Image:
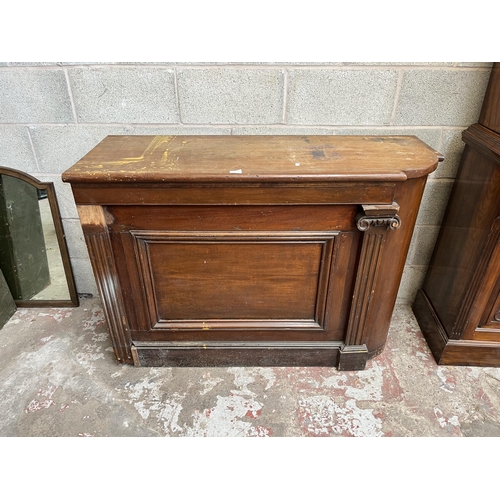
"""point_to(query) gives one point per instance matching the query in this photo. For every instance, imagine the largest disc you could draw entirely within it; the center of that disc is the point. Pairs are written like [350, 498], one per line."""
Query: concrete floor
[59, 378]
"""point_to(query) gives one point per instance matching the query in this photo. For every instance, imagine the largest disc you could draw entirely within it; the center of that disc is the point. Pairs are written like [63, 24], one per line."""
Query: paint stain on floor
[59, 378]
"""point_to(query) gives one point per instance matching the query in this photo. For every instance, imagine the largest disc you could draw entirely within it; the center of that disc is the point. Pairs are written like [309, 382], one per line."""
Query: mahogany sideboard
[250, 250]
[458, 307]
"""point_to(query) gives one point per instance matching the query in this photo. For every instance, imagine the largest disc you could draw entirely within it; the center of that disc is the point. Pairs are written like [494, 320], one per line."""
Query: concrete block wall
[52, 113]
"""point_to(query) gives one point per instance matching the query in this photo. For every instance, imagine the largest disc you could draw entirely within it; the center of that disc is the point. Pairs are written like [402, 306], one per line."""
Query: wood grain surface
[244, 158]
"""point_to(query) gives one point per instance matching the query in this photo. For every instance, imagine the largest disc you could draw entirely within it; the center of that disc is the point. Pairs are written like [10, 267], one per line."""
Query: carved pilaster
[374, 223]
[101, 255]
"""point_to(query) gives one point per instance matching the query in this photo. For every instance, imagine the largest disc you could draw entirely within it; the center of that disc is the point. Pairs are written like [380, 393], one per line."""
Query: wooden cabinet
[244, 250]
[458, 308]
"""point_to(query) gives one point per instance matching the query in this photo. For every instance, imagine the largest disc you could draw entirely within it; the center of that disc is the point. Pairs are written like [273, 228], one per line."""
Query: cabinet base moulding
[178, 354]
[448, 351]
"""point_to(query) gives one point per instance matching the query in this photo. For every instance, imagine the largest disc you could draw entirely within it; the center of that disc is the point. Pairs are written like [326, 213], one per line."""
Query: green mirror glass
[34, 257]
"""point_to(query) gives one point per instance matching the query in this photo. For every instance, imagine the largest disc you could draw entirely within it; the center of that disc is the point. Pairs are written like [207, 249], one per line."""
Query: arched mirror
[34, 256]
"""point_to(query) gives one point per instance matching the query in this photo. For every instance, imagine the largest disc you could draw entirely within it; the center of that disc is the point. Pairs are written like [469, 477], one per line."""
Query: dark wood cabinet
[458, 308]
[234, 250]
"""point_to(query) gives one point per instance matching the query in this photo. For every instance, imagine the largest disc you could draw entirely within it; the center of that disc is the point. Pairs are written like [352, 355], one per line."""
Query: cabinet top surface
[254, 159]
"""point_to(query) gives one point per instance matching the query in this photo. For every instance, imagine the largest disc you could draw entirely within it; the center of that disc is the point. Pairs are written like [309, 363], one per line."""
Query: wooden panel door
[286, 273]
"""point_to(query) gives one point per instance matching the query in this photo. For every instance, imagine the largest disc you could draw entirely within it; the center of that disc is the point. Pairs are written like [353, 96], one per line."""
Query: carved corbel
[379, 216]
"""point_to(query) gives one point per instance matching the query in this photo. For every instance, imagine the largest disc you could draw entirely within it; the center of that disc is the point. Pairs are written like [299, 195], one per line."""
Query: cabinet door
[484, 294]
[489, 326]
[236, 273]
[492, 319]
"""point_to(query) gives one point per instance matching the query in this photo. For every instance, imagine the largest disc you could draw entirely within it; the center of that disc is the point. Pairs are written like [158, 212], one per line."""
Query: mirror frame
[61, 239]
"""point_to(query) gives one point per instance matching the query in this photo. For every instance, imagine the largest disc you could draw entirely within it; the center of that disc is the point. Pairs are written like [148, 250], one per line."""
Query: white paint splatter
[58, 315]
[209, 383]
[95, 320]
[39, 404]
[148, 399]
[90, 354]
[359, 422]
[169, 412]
[492, 372]
[269, 375]
[443, 421]
[323, 417]
[231, 416]
[369, 384]
[246, 376]
[242, 378]
[422, 355]
[258, 431]
[17, 317]
[100, 337]
[225, 419]
[447, 384]
[119, 373]
[336, 381]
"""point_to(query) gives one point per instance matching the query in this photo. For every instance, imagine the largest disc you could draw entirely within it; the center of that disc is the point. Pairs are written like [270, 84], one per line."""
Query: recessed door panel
[219, 279]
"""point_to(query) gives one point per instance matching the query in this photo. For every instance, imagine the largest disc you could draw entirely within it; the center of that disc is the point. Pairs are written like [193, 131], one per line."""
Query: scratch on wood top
[259, 158]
